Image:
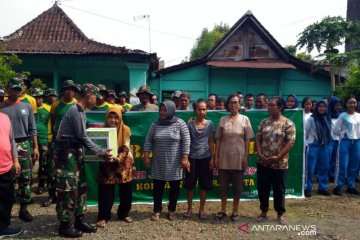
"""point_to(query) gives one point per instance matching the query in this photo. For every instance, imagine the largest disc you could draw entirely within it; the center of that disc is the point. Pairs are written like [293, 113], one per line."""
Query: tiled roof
[53, 32]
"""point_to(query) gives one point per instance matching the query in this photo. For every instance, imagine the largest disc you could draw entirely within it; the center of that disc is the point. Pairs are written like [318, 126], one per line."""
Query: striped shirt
[168, 143]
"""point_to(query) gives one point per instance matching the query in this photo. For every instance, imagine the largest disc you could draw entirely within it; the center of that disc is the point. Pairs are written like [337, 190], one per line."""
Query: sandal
[202, 216]
[171, 216]
[262, 218]
[221, 215]
[155, 216]
[234, 217]
[282, 220]
[101, 224]
[128, 219]
[187, 215]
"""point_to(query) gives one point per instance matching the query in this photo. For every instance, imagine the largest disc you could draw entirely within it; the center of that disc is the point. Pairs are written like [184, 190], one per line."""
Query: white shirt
[333, 122]
[310, 131]
[348, 126]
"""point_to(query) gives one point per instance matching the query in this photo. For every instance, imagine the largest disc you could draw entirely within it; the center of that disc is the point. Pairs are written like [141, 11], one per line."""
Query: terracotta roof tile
[53, 32]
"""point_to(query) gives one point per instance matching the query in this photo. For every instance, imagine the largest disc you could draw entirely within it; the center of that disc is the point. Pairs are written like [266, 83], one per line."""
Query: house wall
[193, 80]
[97, 70]
[201, 80]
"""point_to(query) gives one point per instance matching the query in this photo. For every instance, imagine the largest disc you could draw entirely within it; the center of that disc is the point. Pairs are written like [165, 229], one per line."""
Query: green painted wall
[112, 72]
[193, 80]
[201, 80]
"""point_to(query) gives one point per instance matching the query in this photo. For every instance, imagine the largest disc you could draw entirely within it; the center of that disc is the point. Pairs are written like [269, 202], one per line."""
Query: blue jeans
[319, 158]
[349, 158]
[334, 153]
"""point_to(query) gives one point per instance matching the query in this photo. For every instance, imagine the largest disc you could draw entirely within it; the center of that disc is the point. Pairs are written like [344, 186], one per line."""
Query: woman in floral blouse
[118, 171]
[274, 139]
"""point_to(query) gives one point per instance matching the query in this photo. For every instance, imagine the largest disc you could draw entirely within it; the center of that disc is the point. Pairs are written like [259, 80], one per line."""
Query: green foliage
[7, 62]
[38, 83]
[352, 83]
[328, 33]
[208, 40]
[304, 56]
[291, 49]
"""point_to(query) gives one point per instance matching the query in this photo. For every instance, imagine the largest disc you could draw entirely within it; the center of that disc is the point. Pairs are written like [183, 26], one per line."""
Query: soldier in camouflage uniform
[23, 122]
[58, 110]
[42, 119]
[70, 181]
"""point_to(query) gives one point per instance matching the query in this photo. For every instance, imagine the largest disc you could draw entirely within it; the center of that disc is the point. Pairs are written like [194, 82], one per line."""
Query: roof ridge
[43, 22]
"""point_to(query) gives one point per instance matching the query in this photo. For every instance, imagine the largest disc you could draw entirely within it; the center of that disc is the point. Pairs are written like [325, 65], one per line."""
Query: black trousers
[275, 178]
[106, 197]
[7, 197]
[158, 193]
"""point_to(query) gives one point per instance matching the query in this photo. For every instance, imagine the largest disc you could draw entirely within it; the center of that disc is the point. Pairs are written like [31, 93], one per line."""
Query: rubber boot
[67, 231]
[24, 213]
[40, 188]
[51, 199]
[82, 226]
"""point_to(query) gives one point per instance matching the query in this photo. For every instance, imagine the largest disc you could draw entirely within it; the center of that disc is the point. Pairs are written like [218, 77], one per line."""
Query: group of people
[53, 132]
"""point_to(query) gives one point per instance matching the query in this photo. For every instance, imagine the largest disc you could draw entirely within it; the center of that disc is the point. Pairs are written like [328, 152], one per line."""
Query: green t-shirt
[42, 119]
[58, 109]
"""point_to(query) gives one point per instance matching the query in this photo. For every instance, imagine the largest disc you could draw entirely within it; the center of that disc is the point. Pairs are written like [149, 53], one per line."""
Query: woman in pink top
[232, 147]
[9, 164]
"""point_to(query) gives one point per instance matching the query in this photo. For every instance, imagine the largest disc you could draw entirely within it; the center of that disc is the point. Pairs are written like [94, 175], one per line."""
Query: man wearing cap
[101, 104]
[112, 97]
[42, 120]
[50, 96]
[57, 112]
[24, 128]
[26, 98]
[70, 183]
[144, 94]
[122, 101]
[175, 97]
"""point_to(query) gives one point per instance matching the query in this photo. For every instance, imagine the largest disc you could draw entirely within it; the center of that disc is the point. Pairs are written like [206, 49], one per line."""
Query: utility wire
[127, 23]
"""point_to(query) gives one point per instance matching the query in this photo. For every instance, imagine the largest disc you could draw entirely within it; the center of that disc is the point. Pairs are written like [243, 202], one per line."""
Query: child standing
[200, 157]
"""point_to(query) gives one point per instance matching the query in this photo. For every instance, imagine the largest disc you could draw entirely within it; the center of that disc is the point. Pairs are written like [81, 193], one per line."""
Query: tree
[208, 40]
[351, 85]
[293, 51]
[326, 35]
[329, 33]
[7, 62]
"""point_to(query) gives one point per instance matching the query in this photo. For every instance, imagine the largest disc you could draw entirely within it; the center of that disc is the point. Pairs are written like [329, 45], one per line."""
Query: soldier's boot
[40, 189]
[67, 231]
[51, 199]
[83, 226]
[24, 213]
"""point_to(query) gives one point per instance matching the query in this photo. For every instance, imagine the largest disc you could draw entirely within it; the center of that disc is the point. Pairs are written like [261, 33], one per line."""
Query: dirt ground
[328, 217]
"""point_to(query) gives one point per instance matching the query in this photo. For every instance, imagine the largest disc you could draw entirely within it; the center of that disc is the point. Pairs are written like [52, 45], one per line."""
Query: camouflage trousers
[50, 167]
[70, 182]
[43, 168]
[25, 178]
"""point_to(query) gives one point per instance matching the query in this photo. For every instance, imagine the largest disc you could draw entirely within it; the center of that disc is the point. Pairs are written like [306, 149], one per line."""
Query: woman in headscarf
[169, 139]
[291, 102]
[118, 171]
[318, 138]
[335, 108]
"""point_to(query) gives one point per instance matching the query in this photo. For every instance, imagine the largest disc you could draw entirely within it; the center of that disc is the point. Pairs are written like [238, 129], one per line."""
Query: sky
[174, 25]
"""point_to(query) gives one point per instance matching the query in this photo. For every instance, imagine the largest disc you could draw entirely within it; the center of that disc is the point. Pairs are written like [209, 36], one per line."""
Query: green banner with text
[139, 123]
